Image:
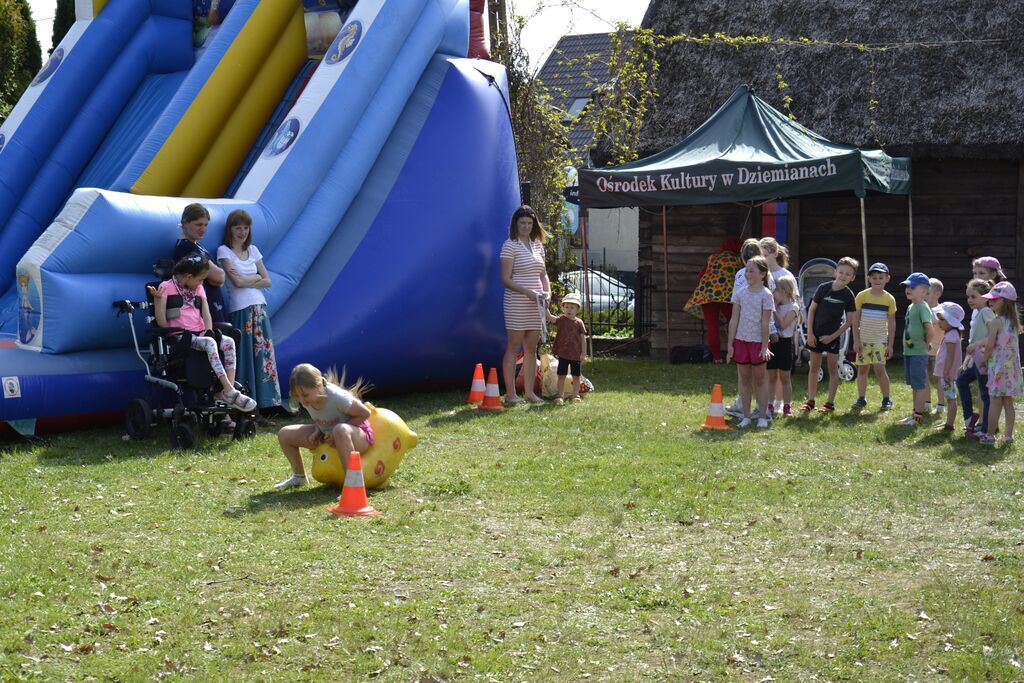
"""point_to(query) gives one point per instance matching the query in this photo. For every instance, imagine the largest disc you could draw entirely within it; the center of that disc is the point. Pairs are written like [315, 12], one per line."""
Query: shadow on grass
[962, 451]
[325, 495]
[110, 445]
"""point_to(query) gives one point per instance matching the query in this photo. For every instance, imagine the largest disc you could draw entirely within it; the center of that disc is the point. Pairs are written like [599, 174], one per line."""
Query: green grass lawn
[613, 540]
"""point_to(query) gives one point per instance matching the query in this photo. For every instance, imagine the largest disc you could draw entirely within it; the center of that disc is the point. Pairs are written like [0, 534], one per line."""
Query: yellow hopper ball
[391, 439]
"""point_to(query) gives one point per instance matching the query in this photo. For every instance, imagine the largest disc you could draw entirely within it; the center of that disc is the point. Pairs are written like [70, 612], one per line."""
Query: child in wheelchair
[192, 323]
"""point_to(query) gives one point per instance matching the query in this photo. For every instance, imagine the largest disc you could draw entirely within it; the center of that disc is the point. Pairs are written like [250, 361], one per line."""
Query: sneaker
[807, 407]
[771, 411]
[787, 410]
[974, 435]
[744, 423]
[972, 422]
[828, 407]
[987, 440]
[911, 420]
[886, 404]
[860, 403]
[762, 423]
[944, 428]
[291, 482]
[735, 410]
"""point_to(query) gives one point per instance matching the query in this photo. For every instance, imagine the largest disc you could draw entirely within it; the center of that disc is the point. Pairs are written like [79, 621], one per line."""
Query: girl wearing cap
[1002, 356]
[948, 357]
[987, 268]
[569, 346]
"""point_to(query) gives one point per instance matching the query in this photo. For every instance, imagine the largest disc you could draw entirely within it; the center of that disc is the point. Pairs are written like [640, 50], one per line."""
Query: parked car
[606, 293]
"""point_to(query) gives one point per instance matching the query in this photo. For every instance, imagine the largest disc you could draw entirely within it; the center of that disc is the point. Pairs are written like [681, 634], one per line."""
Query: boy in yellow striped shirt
[874, 331]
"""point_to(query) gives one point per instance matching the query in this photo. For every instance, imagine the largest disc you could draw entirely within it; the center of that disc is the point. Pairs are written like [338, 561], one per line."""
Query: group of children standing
[766, 314]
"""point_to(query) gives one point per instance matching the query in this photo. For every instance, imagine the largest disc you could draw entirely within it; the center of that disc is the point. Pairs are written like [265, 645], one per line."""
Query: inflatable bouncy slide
[375, 157]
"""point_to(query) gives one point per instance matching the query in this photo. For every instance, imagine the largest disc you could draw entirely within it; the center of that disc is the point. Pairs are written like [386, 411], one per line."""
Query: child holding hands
[1002, 354]
[748, 338]
[974, 368]
[949, 356]
[569, 346]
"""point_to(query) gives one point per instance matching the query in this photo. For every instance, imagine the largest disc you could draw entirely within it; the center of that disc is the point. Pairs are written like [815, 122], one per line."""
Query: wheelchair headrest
[162, 268]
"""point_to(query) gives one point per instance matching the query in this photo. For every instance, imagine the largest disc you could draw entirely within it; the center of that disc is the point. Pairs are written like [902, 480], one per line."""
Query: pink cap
[1002, 290]
[990, 262]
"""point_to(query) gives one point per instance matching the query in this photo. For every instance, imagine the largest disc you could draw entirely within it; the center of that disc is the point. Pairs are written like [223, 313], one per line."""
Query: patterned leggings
[208, 345]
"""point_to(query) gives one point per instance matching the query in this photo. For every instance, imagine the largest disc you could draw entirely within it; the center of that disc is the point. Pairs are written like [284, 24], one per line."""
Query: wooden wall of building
[961, 209]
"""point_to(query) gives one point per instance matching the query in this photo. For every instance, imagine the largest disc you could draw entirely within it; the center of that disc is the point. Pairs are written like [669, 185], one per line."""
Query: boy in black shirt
[832, 301]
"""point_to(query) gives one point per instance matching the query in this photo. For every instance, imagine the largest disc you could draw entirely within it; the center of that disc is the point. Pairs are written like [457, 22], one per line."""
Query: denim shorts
[915, 371]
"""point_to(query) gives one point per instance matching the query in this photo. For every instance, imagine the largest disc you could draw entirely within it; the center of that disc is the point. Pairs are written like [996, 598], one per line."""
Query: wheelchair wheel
[245, 428]
[138, 419]
[847, 371]
[182, 436]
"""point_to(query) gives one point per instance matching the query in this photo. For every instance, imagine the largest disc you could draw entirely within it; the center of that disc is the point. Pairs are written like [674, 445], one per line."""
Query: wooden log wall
[962, 209]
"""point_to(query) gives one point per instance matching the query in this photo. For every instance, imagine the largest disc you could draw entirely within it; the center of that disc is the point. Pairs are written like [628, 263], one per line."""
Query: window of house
[576, 107]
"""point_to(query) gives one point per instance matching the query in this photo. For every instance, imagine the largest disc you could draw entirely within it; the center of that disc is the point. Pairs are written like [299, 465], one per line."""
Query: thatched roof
[953, 99]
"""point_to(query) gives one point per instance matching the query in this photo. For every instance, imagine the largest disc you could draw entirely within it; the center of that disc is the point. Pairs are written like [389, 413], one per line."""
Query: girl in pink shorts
[748, 337]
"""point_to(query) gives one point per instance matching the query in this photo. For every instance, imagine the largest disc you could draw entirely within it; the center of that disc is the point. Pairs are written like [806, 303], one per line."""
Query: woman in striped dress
[525, 278]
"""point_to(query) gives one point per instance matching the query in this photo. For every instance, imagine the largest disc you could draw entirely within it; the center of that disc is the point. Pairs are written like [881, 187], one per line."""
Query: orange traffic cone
[492, 399]
[476, 389]
[716, 411]
[352, 502]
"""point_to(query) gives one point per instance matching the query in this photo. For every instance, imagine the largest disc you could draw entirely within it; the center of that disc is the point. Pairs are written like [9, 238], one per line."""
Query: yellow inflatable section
[210, 142]
[392, 438]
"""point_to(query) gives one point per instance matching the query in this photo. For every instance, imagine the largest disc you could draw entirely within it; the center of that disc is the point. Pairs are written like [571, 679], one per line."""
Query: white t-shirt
[752, 307]
[241, 297]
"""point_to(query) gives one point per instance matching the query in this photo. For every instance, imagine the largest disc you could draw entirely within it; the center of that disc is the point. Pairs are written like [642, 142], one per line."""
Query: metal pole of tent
[910, 221]
[587, 303]
[864, 241]
[664, 253]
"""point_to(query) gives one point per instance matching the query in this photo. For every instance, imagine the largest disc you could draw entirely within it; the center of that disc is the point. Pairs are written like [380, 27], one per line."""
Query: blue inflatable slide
[376, 160]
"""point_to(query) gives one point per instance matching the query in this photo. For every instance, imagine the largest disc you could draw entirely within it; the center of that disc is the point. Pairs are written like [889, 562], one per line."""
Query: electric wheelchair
[181, 384]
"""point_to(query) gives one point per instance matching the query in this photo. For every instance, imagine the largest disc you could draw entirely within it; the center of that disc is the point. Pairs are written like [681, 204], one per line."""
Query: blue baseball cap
[915, 279]
[878, 268]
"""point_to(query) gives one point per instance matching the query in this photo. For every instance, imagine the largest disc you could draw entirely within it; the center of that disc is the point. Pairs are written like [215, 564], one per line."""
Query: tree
[12, 30]
[62, 21]
[541, 143]
[31, 60]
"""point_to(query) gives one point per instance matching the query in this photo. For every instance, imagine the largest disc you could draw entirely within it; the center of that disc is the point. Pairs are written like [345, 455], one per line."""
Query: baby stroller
[181, 382]
[812, 275]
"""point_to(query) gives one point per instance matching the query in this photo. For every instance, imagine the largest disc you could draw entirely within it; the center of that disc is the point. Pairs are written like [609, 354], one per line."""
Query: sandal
[517, 401]
[243, 402]
[534, 399]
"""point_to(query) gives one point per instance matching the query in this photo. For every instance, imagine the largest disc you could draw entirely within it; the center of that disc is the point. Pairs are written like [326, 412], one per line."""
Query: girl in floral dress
[247, 277]
[1002, 356]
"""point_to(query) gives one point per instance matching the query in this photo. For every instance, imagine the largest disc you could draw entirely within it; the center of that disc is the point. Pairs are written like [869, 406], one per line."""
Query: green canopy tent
[746, 152]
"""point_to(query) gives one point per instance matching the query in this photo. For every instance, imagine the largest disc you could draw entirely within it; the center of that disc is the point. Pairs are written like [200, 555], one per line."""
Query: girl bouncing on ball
[339, 417]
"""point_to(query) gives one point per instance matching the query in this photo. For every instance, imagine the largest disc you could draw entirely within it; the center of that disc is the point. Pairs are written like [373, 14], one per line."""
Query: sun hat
[572, 298]
[990, 262]
[1001, 290]
[950, 312]
[878, 268]
[915, 280]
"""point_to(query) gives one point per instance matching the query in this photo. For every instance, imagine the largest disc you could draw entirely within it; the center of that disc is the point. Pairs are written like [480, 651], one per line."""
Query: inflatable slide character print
[346, 42]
